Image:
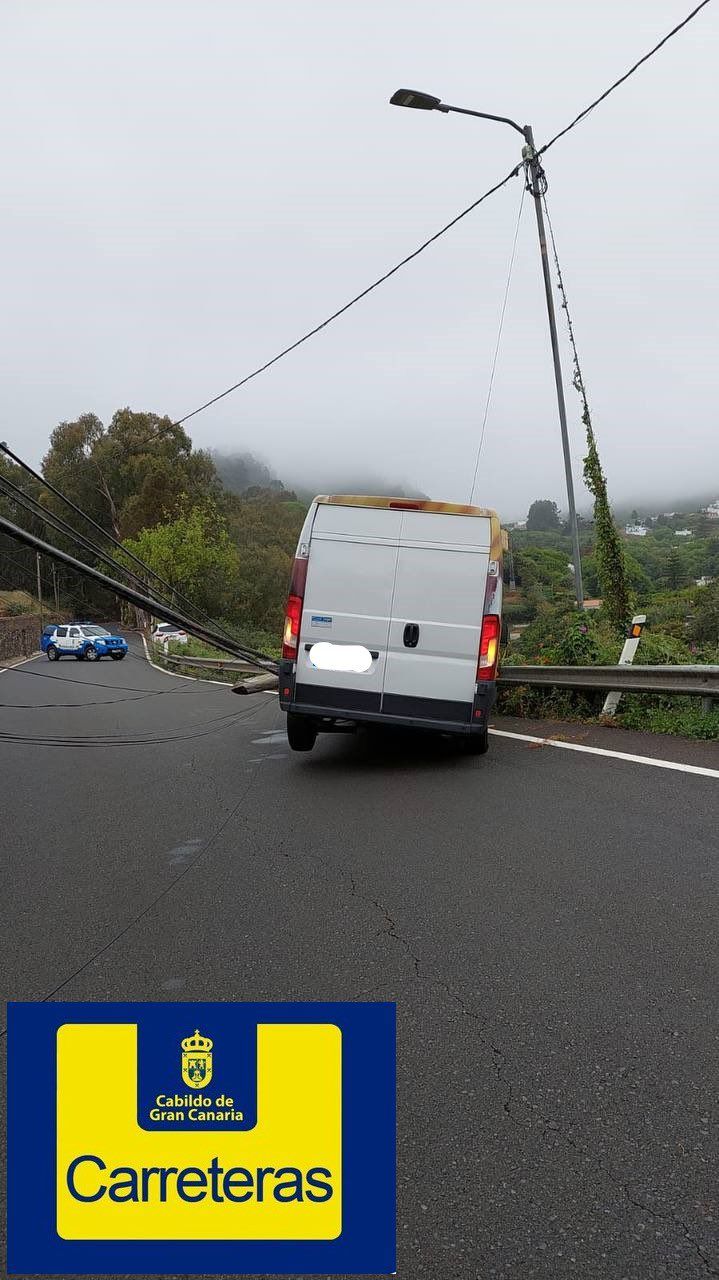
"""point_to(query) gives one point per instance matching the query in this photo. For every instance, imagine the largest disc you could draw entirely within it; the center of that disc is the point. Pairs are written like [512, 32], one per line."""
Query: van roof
[406, 504]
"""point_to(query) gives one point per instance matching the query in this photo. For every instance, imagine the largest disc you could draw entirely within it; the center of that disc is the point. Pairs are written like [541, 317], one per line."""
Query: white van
[393, 617]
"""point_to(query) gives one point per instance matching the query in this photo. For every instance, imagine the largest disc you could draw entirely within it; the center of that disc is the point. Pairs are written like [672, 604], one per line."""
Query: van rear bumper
[329, 704]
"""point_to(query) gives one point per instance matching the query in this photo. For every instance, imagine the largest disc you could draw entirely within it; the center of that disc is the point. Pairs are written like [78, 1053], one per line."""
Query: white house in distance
[635, 530]
[682, 533]
[712, 511]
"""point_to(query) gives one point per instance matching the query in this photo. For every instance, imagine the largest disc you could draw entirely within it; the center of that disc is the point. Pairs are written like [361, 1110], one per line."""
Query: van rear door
[436, 621]
[348, 601]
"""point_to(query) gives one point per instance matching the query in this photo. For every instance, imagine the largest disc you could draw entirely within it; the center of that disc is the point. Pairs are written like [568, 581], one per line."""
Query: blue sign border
[367, 1243]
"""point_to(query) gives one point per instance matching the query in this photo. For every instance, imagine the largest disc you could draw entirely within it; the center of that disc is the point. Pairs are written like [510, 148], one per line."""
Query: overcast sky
[189, 186]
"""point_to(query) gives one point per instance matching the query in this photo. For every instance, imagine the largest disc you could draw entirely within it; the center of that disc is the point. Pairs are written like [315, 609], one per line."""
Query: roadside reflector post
[626, 658]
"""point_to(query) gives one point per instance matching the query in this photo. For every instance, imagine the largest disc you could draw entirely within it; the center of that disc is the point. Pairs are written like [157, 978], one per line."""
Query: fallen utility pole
[26, 501]
[149, 573]
[155, 607]
[256, 684]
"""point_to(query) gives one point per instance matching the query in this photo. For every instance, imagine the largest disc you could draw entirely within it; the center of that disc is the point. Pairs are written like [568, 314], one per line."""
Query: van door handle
[411, 635]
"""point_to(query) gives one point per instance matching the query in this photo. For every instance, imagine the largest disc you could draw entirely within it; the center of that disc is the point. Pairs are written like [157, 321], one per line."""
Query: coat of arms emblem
[196, 1060]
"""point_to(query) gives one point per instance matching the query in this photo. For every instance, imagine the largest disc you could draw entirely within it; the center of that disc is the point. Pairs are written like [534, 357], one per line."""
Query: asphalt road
[546, 921]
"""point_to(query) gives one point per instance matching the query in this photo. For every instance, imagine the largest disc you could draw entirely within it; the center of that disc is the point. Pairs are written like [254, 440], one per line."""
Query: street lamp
[537, 186]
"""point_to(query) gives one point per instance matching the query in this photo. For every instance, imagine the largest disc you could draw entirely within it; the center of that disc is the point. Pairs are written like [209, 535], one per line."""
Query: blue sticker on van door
[321, 620]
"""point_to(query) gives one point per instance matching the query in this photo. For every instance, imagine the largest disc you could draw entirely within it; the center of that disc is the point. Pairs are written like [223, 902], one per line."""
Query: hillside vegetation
[664, 572]
[222, 530]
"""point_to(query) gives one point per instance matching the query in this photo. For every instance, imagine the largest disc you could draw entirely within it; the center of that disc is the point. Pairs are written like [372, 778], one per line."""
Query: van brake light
[291, 632]
[293, 612]
[488, 647]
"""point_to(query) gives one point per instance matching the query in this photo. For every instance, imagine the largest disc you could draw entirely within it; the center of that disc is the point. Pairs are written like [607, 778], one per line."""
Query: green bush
[547, 704]
[517, 611]
[565, 637]
[562, 636]
[704, 625]
[682, 716]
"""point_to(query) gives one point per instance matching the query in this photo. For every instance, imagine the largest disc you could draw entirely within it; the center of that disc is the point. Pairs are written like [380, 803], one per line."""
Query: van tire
[52, 653]
[301, 732]
[477, 744]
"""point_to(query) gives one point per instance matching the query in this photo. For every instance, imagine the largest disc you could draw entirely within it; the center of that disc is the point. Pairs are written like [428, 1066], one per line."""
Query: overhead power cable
[24, 500]
[443, 230]
[357, 298]
[582, 114]
[199, 613]
[157, 607]
[47, 484]
[497, 345]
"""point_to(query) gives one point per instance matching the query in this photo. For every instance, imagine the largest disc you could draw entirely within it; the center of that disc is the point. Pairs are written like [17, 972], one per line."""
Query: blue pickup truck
[81, 640]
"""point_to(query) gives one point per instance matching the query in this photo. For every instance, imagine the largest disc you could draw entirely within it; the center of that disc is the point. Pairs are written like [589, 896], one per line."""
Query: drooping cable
[25, 500]
[357, 298]
[141, 601]
[174, 592]
[443, 230]
[497, 346]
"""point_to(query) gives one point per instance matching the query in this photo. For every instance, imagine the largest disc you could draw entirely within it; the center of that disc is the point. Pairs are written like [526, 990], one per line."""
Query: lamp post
[537, 186]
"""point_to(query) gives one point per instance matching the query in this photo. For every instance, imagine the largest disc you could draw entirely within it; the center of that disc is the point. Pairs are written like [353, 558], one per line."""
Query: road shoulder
[657, 746]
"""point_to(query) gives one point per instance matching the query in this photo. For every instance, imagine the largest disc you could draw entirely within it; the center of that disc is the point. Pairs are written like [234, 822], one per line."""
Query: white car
[165, 632]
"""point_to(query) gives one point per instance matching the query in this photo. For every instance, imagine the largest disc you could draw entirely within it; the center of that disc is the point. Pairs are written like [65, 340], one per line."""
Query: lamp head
[413, 98]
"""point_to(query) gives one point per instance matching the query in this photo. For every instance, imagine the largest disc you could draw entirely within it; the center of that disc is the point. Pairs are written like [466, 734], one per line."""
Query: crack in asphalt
[665, 1217]
[499, 1064]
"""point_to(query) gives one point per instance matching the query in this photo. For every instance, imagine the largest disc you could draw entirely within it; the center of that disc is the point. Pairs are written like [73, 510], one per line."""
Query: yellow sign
[281, 1180]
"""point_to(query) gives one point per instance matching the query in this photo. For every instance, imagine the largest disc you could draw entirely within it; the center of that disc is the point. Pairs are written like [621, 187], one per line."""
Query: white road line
[175, 674]
[614, 755]
[20, 663]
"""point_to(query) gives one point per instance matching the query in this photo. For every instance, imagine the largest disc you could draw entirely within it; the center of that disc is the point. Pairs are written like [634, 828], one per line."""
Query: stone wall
[19, 637]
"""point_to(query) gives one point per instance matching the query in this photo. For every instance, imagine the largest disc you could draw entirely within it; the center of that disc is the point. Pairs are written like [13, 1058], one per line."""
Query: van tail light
[488, 647]
[293, 611]
[291, 634]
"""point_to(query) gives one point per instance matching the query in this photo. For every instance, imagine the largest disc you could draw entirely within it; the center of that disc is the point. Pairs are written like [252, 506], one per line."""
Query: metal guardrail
[692, 681]
[695, 681]
[214, 664]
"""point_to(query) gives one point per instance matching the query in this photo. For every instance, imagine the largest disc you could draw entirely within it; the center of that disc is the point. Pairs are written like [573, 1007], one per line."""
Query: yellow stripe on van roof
[411, 504]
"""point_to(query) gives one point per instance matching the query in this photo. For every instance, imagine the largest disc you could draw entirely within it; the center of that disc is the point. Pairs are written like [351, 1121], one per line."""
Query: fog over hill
[242, 471]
